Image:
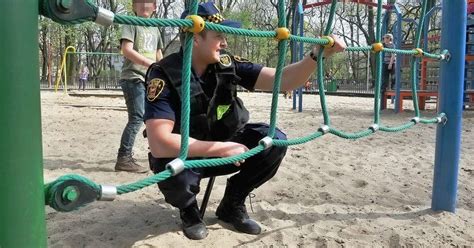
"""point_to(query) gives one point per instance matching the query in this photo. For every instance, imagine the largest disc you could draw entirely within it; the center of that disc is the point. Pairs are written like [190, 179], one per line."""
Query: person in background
[83, 76]
[388, 66]
[141, 47]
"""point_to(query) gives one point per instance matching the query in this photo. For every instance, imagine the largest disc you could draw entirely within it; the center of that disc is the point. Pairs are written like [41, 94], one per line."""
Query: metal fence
[105, 81]
[342, 87]
[349, 87]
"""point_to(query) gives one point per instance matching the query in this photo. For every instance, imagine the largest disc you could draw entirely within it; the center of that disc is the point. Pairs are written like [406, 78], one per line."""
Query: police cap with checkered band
[210, 13]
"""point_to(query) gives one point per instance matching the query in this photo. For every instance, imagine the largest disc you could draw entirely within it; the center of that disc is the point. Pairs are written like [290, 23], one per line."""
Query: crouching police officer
[218, 123]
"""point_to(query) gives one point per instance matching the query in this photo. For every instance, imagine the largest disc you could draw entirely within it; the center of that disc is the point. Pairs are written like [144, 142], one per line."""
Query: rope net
[377, 48]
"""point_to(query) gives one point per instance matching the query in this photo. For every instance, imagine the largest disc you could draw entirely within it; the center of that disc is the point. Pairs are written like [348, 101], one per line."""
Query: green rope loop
[51, 188]
[46, 9]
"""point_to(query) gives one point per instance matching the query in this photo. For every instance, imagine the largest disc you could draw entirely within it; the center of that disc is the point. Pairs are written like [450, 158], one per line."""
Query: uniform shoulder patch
[241, 60]
[154, 89]
[225, 60]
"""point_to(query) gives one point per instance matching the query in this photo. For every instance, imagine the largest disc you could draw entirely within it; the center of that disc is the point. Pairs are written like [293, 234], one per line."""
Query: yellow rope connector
[198, 24]
[419, 52]
[377, 47]
[330, 41]
[282, 33]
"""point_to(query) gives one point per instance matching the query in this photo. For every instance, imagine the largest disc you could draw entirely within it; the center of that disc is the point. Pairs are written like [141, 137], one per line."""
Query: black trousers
[388, 75]
[180, 190]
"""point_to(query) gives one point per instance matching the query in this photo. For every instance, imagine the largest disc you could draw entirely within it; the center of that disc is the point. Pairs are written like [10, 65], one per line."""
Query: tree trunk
[371, 39]
[70, 61]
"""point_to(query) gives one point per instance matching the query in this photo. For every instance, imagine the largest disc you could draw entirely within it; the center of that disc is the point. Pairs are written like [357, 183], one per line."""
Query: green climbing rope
[71, 194]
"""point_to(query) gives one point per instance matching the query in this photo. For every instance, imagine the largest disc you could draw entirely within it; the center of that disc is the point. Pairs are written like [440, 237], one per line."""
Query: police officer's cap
[210, 13]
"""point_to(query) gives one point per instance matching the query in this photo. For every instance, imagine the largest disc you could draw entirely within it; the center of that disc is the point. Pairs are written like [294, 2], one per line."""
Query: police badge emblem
[154, 89]
[225, 60]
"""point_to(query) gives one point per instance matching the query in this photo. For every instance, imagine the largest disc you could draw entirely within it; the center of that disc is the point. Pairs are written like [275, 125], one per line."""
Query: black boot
[193, 226]
[232, 210]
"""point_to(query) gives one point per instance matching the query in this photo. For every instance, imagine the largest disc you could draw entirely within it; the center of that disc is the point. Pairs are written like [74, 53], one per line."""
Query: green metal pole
[22, 215]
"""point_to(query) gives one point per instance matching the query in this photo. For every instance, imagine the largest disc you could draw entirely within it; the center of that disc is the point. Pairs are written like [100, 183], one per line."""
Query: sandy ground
[330, 192]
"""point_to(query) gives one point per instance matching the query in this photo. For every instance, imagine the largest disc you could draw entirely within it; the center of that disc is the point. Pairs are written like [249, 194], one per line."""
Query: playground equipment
[429, 71]
[105, 73]
[348, 86]
[297, 52]
[21, 177]
[469, 73]
[400, 43]
[62, 74]
[22, 216]
[428, 87]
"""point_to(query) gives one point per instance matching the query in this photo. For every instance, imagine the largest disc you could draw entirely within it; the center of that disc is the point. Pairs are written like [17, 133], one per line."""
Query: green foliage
[351, 23]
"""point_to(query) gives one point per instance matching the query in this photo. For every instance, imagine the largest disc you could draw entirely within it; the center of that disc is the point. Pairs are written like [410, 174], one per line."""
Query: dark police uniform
[217, 114]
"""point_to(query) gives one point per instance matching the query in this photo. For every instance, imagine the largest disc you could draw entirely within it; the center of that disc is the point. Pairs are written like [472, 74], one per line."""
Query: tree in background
[354, 23]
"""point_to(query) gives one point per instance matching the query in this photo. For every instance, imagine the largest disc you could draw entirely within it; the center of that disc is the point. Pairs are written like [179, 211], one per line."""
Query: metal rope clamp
[267, 142]
[416, 120]
[176, 166]
[445, 56]
[105, 17]
[107, 193]
[374, 127]
[324, 129]
[442, 119]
